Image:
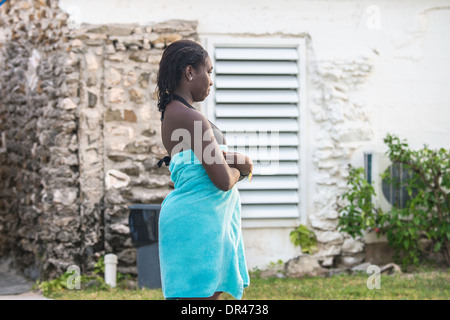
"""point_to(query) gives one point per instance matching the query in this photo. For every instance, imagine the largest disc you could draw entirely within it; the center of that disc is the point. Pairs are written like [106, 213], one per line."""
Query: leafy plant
[96, 279]
[426, 213]
[99, 266]
[304, 238]
[53, 285]
[360, 213]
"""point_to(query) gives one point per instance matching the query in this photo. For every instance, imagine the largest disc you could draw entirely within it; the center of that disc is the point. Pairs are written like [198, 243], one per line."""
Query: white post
[110, 269]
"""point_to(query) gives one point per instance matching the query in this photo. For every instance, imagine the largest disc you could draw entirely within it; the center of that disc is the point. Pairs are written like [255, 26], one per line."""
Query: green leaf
[437, 246]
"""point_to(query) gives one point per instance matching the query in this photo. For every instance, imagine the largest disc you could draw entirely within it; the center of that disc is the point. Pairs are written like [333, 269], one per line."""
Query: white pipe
[110, 269]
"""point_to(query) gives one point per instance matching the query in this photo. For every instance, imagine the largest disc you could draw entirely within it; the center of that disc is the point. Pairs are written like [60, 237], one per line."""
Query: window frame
[208, 108]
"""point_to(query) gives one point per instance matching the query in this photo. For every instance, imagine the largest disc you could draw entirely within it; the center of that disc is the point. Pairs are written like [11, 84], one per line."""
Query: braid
[174, 61]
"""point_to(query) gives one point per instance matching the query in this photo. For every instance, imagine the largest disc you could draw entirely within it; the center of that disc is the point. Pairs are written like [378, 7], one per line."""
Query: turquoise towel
[200, 240]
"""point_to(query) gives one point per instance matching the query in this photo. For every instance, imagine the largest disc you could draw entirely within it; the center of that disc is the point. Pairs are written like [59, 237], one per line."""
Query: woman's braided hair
[174, 61]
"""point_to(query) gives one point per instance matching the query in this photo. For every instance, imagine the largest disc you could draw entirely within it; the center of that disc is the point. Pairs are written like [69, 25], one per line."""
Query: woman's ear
[189, 72]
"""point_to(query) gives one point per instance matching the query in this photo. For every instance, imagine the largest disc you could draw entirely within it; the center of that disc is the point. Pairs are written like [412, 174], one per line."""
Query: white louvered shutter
[257, 107]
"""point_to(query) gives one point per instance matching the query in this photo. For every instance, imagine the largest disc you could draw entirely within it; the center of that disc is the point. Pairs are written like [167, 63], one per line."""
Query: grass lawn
[415, 286]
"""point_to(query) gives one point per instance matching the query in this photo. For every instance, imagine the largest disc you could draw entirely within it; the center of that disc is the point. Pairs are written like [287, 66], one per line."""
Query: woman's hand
[239, 161]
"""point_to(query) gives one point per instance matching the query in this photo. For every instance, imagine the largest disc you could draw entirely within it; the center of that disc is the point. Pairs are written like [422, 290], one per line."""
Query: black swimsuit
[217, 133]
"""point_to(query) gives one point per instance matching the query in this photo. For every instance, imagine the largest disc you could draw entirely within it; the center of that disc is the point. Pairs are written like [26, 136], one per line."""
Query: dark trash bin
[143, 222]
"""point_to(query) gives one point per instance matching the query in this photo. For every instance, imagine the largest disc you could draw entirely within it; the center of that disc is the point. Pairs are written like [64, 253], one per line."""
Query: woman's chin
[203, 98]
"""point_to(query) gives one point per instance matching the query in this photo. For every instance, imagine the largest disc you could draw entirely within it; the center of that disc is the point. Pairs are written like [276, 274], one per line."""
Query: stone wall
[340, 124]
[80, 135]
[119, 128]
[39, 159]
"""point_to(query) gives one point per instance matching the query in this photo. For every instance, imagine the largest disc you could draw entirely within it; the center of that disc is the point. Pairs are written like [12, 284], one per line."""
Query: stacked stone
[341, 127]
[80, 135]
[119, 129]
[39, 162]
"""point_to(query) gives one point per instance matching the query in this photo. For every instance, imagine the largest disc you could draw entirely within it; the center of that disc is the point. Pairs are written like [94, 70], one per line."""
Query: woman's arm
[239, 161]
[206, 148]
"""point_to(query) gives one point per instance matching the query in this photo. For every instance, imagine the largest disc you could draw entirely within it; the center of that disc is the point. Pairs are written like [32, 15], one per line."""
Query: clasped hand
[239, 161]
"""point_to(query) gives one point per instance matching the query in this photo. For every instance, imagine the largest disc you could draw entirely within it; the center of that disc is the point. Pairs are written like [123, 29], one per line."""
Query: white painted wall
[406, 93]
[411, 75]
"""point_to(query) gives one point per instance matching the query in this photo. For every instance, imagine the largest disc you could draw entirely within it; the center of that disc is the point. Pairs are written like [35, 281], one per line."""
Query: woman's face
[201, 80]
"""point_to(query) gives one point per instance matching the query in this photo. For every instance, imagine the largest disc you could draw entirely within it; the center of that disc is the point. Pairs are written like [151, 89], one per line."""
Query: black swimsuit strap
[177, 97]
[165, 160]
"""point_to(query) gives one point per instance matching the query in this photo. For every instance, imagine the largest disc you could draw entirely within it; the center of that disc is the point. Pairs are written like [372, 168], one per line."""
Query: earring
[190, 79]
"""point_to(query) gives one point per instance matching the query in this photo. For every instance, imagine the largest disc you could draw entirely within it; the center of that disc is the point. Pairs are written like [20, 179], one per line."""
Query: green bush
[304, 238]
[426, 213]
[360, 213]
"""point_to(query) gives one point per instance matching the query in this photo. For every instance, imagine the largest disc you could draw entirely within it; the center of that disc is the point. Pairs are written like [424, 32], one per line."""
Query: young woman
[200, 240]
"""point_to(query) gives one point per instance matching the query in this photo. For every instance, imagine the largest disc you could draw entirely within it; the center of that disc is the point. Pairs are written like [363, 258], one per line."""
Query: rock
[76, 43]
[323, 224]
[130, 78]
[329, 236]
[326, 261]
[129, 116]
[166, 39]
[67, 104]
[329, 249]
[391, 268]
[304, 265]
[109, 49]
[351, 260]
[121, 131]
[116, 57]
[139, 146]
[65, 196]
[361, 267]
[91, 62]
[113, 115]
[144, 80]
[137, 96]
[338, 271]
[116, 179]
[139, 56]
[113, 77]
[120, 228]
[183, 27]
[92, 100]
[121, 29]
[116, 96]
[351, 245]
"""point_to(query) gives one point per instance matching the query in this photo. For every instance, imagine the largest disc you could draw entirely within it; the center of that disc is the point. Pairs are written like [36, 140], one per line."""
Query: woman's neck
[187, 96]
[182, 100]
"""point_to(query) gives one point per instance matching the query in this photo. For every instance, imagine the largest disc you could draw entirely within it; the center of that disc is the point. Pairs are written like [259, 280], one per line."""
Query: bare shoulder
[182, 117]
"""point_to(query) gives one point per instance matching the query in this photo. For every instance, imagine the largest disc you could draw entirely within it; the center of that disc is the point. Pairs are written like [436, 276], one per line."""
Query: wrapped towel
[200, 239]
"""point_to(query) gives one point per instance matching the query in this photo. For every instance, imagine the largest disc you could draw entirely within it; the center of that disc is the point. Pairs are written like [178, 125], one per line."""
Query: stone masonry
[341, 125]
[80, 135]
[39, 158]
